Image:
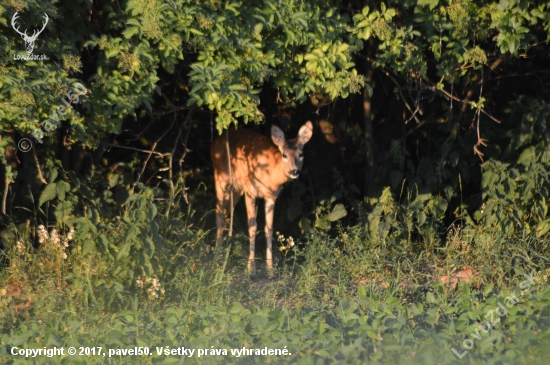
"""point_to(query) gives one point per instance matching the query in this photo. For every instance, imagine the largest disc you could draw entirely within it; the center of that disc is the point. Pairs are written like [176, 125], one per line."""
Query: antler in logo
[29, 41]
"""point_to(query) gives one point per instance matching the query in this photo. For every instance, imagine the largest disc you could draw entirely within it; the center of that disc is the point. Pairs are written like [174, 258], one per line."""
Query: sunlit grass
[340, 297]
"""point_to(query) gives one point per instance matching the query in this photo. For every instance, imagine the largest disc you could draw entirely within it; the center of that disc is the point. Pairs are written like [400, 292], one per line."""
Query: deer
[29, 40]
[259, 168]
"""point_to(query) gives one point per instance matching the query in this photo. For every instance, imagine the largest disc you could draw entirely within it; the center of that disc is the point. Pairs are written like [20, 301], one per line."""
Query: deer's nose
[294, 173]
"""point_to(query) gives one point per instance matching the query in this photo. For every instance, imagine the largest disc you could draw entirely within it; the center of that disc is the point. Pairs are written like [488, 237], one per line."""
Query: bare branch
[448, 95]
[38, 167]
[403, 98]
[144, 130]
[231, 211]
[7, 183]
[141, 150]
[481, 141]
[171, 173]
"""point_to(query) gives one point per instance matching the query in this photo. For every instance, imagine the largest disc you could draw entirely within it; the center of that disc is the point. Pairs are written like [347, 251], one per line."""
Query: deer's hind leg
[222, 207]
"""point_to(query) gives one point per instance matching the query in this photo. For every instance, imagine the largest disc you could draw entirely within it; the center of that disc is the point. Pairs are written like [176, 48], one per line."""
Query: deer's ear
[278, 137]
[305, 133]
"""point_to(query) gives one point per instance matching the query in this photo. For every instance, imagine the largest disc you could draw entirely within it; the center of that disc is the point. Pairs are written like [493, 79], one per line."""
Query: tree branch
[153, 149]
[5, 196]
[38, 167]
[449, 96]
[171, 173]
[403, 98]
[141, 150]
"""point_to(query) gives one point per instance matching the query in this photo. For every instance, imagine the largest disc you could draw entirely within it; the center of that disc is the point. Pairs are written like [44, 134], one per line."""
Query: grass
[339, 298]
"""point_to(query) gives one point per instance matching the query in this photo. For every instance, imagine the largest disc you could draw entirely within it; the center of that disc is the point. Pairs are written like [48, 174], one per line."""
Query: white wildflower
[156, 285]
[42, 234]
[71, 234]
[20, 246]
[290, 241]
[151, 285]
[55, 236]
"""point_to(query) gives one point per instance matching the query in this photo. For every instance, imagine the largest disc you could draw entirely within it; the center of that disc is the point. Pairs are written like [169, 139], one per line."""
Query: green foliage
[294, 45]
[349, 300]
[93, 260]
[220, 56]
[516, 189]
[419, 212]
[299, 46]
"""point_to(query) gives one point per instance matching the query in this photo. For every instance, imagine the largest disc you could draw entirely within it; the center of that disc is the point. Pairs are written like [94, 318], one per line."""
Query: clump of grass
[331, 291]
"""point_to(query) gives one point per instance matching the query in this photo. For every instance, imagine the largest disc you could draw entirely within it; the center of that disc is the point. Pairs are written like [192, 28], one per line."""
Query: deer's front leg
[269, 211]
[252, 227]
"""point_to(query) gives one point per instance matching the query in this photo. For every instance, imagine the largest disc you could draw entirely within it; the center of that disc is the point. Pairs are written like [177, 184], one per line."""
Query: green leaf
[338, 212]
[526, 157]
[429, 3]
[52, 174]
[130, 32]
[421, 218]
[148, 246]
[21, 339]
[47, 194]
[112, 52]
[369, 88]
[237, 87]
[104, 242]
[488, 289]
[237, 308]
[320, 327]
[124, 251]
[503, 5]
[63, 211]
[152, 211]
[133, 21]
[146, 264]
[88, 246]
[195, 31]
[62, 187]
[543, 227]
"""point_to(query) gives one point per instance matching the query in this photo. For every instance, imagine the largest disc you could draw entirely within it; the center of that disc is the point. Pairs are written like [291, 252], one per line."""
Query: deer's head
[291, 150]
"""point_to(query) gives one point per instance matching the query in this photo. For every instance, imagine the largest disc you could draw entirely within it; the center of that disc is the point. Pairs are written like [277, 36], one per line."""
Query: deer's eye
[284, 155]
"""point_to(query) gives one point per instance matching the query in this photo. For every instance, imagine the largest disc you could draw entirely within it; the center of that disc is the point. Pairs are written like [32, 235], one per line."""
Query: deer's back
[255, 163]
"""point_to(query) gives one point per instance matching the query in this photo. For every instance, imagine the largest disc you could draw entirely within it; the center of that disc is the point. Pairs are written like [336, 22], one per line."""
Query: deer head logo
[29, 40]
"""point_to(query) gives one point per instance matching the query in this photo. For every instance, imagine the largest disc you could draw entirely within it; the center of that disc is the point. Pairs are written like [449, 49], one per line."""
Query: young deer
[260, 166]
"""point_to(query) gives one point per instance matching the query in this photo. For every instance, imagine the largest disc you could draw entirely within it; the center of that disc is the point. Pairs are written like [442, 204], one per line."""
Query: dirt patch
[14, 288]
[465, 274]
